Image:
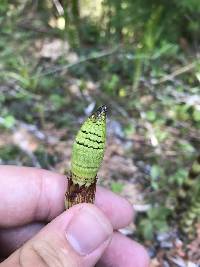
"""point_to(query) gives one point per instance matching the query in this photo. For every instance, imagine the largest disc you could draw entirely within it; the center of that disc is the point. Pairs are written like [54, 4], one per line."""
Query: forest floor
[153, 133]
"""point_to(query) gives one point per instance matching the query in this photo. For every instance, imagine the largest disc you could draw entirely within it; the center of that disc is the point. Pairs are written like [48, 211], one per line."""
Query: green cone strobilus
[87, 155]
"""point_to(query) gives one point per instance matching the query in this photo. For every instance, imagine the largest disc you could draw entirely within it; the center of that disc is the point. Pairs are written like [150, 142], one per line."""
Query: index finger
[31, 195]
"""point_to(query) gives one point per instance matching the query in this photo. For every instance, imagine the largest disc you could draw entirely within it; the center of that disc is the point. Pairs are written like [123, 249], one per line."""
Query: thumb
[78, 237]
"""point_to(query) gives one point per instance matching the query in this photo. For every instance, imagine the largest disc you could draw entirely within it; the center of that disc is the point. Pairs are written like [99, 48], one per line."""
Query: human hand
[81, 236]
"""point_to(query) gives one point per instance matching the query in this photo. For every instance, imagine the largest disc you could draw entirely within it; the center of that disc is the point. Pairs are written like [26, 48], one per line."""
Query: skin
[31, 198]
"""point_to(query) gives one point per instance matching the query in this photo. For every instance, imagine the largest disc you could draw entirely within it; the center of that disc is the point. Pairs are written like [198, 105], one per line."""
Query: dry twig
[177, 72]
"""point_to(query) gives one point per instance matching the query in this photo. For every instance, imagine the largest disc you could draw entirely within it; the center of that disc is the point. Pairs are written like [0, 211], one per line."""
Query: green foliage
[179, 177]
[8, 121]
[155, 222]
[3, 6]
[155, 173]
[117, 187]
[45, 83]
[112, 84]
[57, 101]
[129, 130]
[9, 153]
[160, 18]
[151, 115]
[185, 147]
[196, 115]
[188, 207]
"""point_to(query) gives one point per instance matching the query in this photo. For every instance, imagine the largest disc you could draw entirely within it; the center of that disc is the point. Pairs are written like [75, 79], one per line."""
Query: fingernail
[88, 230]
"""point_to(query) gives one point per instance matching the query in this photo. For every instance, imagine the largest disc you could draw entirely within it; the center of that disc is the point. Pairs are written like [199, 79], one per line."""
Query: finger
[77, 237]
[117, 209]
[30, 194]
[13, 238]
[123, 251]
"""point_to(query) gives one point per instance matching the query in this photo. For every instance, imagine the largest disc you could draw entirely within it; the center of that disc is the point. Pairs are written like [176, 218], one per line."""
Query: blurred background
[59, 60]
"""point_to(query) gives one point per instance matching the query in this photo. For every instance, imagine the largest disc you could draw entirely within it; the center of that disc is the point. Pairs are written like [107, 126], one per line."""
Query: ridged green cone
[87, 155]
